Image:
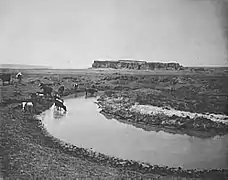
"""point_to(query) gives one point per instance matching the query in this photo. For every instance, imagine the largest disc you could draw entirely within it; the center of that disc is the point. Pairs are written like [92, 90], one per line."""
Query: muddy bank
[29, 152]
[121, 106]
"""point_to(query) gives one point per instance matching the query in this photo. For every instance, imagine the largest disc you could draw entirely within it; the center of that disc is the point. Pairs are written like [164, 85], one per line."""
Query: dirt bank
[29, 152]
[122, 106]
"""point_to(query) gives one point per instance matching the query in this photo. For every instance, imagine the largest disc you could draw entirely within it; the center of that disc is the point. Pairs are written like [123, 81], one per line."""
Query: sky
[74, 33]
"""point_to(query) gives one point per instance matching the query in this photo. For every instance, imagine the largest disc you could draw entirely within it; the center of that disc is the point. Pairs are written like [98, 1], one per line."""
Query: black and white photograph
[114, 89]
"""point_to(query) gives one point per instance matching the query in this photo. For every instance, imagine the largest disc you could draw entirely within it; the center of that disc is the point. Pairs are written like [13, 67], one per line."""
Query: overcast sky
[73, 33]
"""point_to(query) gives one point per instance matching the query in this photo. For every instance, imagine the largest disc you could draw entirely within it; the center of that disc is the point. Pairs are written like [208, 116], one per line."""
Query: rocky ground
[28, 152]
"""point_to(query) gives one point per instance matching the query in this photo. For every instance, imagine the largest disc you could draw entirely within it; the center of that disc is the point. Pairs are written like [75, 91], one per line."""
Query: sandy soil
[29, 152]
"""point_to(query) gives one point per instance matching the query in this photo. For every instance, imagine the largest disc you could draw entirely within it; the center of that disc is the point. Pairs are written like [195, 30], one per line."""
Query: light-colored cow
[19, 76]
[27, 106]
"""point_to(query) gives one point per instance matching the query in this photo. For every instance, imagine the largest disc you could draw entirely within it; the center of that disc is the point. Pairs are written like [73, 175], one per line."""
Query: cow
[37, 96]
[19, 76]
[40, 94]
[91, 91]
[5, 78]
[75, 88]
[61, 90]
[59, 105]
[27, 106]
[57, 97]
[46, 89]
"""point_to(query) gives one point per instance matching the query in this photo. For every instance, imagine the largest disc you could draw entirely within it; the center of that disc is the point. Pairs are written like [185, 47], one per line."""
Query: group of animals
[47, 93]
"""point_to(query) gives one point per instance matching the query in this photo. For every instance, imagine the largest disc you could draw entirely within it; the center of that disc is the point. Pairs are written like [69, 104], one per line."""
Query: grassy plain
[28, 152]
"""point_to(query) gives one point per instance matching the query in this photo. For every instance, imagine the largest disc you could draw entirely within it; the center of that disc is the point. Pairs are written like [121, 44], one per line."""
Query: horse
[19, 76]
[46, 89]
[91, 91]
[61, 90]
[59, 105]
[5, 77]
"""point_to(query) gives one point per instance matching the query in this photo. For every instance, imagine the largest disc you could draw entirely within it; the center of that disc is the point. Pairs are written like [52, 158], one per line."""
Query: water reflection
[53, 116]
[89, 96]
[84, 126]
[58, 114]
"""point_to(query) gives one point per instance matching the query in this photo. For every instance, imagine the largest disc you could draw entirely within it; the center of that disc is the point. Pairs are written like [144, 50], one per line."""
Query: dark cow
[61, 90]
[34, 97]
[5, 78]
[59, 105]
[90, 91]
[75, 86]
[46, 90]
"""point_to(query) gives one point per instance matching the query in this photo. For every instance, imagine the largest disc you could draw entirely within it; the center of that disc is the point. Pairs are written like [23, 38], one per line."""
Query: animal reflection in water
[91, 91]
[58, 114]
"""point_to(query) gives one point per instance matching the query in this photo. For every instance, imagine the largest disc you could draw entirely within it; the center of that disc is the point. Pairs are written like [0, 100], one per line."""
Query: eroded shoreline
[155, 118]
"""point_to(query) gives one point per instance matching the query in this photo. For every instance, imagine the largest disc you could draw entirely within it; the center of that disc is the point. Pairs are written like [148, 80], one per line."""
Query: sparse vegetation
[29, 152]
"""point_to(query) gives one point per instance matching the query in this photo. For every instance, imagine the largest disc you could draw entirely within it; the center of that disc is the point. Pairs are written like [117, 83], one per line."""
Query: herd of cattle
[46, 93]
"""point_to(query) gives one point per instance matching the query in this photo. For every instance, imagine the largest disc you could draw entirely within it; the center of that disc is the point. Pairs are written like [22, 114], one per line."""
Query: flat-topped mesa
[137, 65]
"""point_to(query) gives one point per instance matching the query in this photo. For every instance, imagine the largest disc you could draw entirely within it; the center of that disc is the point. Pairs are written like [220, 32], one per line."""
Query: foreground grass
[28, 154]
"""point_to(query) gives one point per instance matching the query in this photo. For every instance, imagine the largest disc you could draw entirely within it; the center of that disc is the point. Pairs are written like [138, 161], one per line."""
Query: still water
[84, 126]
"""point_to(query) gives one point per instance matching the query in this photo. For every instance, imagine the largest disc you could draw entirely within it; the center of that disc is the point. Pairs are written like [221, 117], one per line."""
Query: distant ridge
[23, 66]
[137, 65]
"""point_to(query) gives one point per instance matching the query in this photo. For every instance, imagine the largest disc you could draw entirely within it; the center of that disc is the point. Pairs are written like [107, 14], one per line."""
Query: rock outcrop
[137, 65]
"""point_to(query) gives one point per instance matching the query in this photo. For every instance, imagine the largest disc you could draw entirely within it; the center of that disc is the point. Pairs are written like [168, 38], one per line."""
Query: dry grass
[28, 154]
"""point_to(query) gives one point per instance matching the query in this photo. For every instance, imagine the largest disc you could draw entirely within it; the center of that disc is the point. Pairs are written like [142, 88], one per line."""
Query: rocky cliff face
[138, 65]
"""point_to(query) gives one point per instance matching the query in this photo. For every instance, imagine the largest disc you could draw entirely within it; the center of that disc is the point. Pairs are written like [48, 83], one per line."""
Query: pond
[85, 127]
